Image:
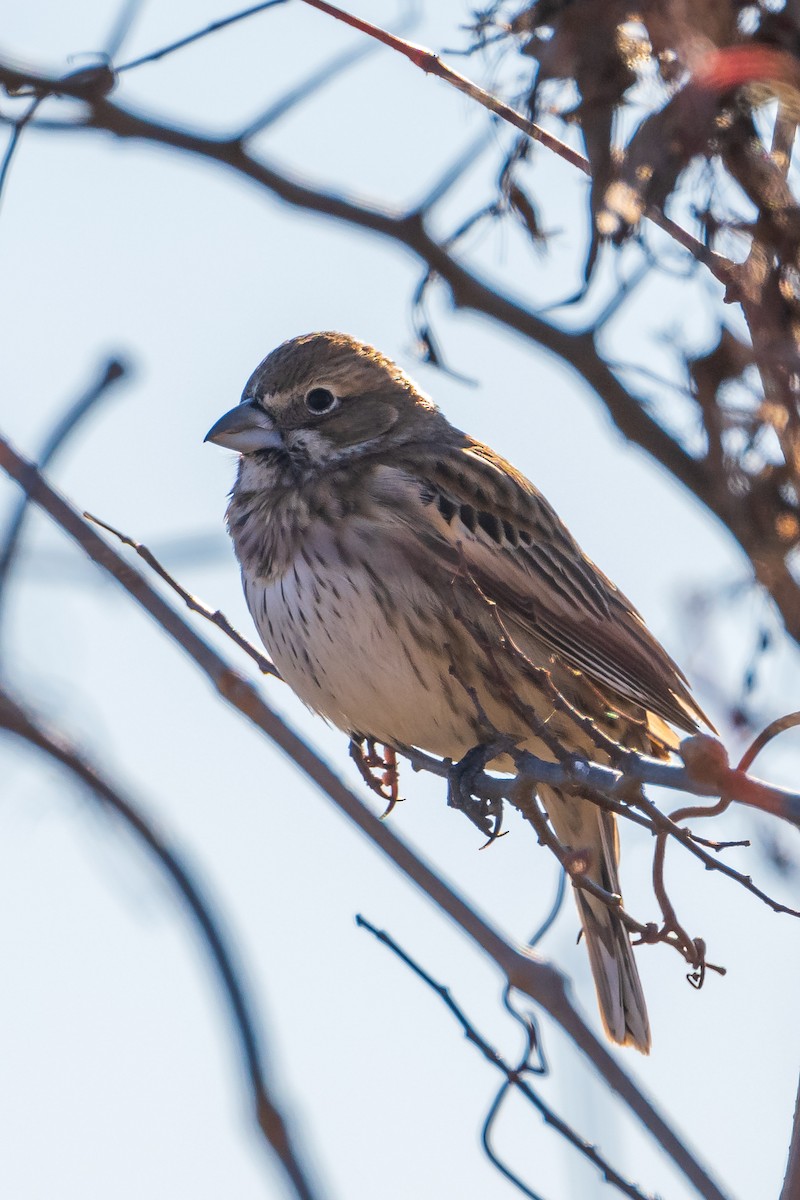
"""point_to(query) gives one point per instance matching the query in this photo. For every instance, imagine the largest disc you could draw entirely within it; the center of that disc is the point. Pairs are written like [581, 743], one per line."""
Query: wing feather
[473, 508]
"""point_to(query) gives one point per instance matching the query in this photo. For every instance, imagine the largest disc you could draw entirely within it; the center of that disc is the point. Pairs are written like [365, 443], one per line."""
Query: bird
[414, 588]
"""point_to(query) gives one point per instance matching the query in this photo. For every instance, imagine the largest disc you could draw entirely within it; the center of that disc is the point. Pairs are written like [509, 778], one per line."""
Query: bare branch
[17, 127]
[617, 791]
[192, 603]
[791, 1181]
[155, 55]
[454, 173]
[431, 64]
[516, 1077]
[319, 78]
[123, 22]
[790, 721]
[113, 371]
[21, 722]
[555, 908]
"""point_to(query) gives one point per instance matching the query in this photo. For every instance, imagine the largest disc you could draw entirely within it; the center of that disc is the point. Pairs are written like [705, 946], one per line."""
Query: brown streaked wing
[472, 507]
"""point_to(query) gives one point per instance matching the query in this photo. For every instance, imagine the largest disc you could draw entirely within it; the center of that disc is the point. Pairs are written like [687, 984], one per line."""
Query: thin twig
[555, 908]
[22, 723]
[790, 721]
[532, 1060]
[155, 55]
[515, 1077]
[213, 615]
[431, 64]
[494, 1158]
[791, 1180]
[113, 371]
[623, 293]
[695, 846]
[454, 173]
[317, 79]
[123, 22]
[314, 82]
[17, 127]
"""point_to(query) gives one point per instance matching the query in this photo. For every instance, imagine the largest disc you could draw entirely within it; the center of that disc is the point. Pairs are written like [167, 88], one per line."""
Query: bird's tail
[586, 829]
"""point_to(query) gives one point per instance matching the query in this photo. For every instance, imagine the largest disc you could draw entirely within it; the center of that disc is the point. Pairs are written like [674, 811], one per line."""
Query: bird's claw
[385, 783]
[485, 812]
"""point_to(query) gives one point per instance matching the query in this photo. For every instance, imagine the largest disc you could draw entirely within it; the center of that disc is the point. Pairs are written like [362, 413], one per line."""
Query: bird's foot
[486, 812]
[379, 771]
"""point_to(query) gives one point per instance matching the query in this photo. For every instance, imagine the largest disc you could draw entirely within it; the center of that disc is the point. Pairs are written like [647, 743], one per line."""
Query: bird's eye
[320, 400]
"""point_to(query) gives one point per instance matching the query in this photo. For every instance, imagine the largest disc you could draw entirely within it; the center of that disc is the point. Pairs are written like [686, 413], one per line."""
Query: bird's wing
[477, 512]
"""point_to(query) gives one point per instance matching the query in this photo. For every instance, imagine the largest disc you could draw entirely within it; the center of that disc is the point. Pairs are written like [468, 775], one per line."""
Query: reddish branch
[431, 64]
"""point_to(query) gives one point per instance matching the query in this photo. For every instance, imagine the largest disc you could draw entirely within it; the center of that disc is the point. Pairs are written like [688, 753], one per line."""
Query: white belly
[356, 660]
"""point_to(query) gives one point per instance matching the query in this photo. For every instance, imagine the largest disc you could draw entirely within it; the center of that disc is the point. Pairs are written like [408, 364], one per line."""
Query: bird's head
[323, 399]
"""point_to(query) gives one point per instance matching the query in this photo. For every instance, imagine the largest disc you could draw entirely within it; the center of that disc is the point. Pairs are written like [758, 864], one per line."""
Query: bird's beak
[245, 428]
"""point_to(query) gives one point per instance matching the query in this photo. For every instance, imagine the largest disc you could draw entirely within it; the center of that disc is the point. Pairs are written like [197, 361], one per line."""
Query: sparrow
[412, 587]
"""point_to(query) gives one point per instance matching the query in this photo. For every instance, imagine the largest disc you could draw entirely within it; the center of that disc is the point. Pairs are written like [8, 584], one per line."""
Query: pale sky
[120, 1076]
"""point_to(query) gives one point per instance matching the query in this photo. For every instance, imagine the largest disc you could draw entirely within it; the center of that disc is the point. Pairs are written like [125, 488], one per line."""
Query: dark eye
[320, 400]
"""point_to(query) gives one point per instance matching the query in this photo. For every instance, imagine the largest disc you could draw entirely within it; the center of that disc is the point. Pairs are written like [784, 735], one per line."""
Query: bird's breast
[360, 641]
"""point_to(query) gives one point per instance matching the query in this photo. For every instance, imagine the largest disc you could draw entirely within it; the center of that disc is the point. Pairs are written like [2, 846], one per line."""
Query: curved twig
[514, 1077]
[23, 724]
[114, 370]
[790, 721]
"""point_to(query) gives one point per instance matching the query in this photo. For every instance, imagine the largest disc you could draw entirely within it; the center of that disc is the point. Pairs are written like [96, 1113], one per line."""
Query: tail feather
[584, 827]
[616, 977]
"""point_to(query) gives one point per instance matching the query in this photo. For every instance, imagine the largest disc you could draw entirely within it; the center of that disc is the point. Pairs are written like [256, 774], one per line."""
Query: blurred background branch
[112, 372]
[669, 288]
[21, 722]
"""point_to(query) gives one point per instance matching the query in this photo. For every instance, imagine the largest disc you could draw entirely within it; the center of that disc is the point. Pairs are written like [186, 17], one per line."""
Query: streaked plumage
[392, 563]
